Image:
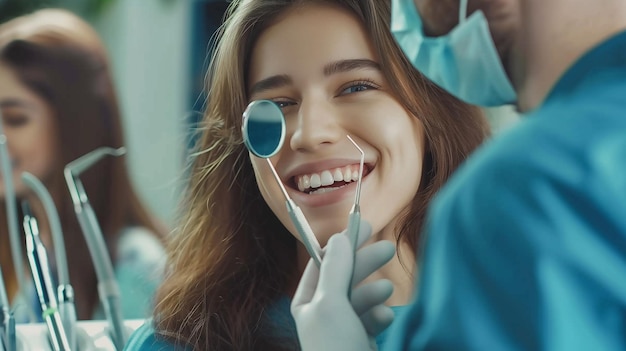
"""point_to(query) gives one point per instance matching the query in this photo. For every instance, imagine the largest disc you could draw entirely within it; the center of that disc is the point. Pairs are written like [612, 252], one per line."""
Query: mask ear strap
[462, 11]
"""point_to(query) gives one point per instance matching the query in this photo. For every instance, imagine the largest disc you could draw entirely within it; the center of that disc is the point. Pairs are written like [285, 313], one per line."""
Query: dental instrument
[7, 321]
[108, 289]
[264, 139]
[40, 270]
[11, 212]
[65, 291]
[354, 218]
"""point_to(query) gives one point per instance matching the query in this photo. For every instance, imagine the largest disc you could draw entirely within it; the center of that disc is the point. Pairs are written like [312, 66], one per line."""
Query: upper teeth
[327, 177]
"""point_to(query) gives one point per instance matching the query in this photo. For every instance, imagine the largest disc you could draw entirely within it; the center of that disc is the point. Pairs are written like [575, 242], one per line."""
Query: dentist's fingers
[377, 319]
[307, 286]
[370, 258]
[371, 294]
[336, 268]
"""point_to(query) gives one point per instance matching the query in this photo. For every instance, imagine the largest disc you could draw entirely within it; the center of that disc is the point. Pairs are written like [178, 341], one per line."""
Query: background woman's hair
[60, 58]
[230, 257]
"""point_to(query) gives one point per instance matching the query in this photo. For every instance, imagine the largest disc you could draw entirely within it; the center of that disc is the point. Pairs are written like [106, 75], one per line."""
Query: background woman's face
[318, 64]
[30, 128]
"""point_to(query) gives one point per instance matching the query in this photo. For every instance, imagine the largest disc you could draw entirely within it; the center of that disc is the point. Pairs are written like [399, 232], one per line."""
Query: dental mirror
[263, 133]
[263, 128]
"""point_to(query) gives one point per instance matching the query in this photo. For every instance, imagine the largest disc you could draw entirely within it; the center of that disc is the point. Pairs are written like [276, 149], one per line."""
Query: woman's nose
[316, 125]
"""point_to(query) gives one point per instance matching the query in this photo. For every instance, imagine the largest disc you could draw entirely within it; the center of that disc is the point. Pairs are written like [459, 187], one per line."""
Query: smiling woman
[334, 70]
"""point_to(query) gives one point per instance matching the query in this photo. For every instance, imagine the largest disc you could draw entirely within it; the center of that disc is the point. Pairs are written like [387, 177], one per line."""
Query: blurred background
[159, 51]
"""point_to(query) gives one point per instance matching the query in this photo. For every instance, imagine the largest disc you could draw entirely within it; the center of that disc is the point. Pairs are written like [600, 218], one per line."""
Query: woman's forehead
[309, 38]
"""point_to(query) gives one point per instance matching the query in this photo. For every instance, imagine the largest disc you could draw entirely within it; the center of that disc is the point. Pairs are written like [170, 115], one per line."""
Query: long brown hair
[231, 257]
[60, 58]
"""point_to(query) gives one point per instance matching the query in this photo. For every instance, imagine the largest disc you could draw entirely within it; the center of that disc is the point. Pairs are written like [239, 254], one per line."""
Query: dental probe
[354, 218]
[40, 270]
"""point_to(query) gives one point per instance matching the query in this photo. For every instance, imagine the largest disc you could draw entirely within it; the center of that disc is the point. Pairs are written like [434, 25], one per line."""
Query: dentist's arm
[326, 318]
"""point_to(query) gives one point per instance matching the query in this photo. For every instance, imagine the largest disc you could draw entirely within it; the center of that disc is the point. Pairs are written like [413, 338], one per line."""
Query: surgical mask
[464, 62]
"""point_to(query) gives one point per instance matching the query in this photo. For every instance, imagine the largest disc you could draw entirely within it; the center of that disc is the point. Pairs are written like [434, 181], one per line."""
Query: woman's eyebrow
[350, 65]
[282, 80]
[272, 82]
[11, 102]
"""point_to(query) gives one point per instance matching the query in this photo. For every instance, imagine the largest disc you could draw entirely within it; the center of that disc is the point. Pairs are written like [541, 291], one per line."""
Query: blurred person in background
[58, 103]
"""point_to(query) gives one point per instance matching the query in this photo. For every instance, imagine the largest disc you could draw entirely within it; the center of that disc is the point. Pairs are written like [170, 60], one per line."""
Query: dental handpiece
[7, 321]
[11, 213]
[299, 221]
[40, 270]
[65, 291]
[108, 289]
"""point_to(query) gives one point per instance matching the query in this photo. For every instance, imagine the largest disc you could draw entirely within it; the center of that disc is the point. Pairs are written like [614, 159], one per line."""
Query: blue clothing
[526, 245]
[145, 339]
[282, 326]
[138, 272]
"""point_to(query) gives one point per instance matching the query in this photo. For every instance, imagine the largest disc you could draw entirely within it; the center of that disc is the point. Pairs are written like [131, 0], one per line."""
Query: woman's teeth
[309, 182]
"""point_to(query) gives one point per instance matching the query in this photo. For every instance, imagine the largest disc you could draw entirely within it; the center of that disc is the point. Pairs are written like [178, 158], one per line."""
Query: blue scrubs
[281, 327]
[526, 244]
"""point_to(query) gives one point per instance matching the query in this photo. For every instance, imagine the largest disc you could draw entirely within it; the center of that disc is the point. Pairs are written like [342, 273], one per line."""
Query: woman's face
[30, 129]
[318, 64]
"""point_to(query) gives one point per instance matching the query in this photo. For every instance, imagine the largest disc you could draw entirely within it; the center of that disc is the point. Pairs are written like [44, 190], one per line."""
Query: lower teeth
[325, 190]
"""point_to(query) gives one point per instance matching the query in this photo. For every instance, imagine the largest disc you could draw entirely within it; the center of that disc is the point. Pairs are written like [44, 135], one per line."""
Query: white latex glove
[326, 318]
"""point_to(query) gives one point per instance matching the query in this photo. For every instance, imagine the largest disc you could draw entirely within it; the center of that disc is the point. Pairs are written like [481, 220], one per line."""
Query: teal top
[138, 272]
[282, 327]
[526, 244]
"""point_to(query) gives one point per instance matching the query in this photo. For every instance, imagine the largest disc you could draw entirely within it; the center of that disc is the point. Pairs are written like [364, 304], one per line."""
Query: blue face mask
[464, 62]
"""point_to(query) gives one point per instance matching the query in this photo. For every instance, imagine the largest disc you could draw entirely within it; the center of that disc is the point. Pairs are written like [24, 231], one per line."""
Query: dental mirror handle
[306, 233]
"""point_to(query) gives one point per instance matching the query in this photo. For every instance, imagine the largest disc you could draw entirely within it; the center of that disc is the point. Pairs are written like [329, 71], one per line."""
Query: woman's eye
[15, 120]
[282, 103]
[358, 87]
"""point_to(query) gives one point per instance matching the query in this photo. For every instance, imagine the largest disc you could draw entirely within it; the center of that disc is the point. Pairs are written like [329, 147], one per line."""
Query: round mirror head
[263, 128]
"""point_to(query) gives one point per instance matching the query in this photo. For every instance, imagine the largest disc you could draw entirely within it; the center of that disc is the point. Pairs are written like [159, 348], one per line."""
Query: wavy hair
[231, 257]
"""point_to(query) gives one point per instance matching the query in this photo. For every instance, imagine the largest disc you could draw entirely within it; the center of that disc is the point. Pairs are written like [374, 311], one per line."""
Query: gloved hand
[326, 318]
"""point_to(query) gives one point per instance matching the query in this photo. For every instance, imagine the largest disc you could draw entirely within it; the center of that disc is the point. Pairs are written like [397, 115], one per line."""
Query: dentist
[526, 245]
